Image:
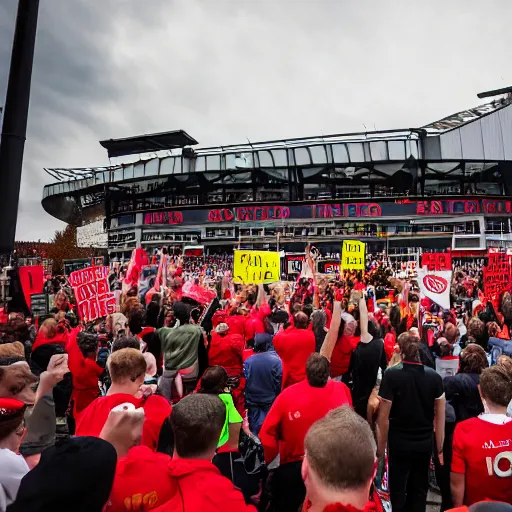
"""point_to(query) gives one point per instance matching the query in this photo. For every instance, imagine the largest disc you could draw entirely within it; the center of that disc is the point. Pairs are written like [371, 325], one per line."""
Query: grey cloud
[225, 70]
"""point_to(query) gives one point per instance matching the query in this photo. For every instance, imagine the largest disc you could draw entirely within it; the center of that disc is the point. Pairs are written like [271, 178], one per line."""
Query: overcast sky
[228, 70]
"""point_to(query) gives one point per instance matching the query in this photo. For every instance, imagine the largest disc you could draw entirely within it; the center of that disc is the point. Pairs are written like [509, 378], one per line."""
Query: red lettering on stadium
[249, 213]
[329, 211]
[438, 207]
[163, 218]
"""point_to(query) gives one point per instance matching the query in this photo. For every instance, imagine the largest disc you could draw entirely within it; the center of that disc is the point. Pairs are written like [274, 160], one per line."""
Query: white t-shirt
[12, 469]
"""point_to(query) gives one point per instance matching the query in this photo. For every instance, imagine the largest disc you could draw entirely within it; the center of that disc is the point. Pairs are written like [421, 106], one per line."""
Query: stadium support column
[14, 129]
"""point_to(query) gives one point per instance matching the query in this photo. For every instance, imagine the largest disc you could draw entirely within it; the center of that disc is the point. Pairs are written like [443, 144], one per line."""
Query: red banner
[436, 261]
[92, 293]
[497, 277]
[32, 281]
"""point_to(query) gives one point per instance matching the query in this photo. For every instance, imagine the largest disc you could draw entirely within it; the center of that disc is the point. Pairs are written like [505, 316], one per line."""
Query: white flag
[436, 286]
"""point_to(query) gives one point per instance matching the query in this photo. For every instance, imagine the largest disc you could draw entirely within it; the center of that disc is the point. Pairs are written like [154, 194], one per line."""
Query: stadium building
[447, 184]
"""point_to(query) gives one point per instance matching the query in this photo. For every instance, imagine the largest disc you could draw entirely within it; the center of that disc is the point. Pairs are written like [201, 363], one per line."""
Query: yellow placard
[256, 267]
[353, 255]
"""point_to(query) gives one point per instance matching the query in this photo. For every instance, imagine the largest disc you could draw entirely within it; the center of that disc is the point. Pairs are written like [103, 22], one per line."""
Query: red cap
[10, 406]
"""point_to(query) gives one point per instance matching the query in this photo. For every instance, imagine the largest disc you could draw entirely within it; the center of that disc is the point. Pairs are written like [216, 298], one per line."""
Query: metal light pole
[14, 129]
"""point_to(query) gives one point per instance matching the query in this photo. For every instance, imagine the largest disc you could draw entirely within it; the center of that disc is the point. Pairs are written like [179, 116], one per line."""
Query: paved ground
[433, 502]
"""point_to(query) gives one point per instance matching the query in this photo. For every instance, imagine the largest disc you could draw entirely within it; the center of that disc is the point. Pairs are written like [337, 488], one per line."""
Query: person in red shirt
[345, 346]
[286, 424]
[236, 322]
[226, 350]
[127, 370]
[482, 459]
[82, 349]
[294, 346]
[197, 422]
[50, 333]
[339, 464]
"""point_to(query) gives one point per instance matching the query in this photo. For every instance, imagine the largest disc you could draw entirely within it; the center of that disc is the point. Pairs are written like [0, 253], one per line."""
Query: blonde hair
[49, 328]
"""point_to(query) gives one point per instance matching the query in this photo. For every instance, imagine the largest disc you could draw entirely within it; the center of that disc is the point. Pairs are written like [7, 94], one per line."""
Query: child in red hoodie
[82, 349]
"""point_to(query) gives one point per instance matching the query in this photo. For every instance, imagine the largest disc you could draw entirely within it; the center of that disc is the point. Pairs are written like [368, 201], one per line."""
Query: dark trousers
[443, 472]
[408, 481]
[256, 414]
[288, 491]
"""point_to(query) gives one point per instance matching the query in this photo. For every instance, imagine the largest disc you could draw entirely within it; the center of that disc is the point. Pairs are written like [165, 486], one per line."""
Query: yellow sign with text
[256, 267]
[353, 255]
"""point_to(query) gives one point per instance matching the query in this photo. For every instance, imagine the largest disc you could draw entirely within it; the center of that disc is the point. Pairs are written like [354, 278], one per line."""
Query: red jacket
[293, 413]
[84, 373]
[294, 346]
[201, 488]
[227, 351]
[156, 410]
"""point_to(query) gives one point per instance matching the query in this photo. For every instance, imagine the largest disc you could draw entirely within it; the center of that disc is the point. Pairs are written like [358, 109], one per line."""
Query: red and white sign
[92, 292]
[436, 261]
[436, 286]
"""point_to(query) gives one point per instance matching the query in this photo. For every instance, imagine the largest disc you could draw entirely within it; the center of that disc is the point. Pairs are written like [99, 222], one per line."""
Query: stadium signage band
[349, 210]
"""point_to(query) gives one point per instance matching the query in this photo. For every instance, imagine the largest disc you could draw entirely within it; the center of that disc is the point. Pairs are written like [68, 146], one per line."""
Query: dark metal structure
[14, 126]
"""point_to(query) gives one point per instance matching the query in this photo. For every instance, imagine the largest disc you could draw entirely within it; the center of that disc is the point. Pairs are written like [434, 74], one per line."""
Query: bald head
[301, 320]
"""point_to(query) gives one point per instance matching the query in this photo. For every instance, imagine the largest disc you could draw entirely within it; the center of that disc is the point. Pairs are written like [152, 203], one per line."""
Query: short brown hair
[473, 359]
[409, 346]
[318, 370]
[340, 449]
[126, 364]
[301, 320]
[197, 422]
[476, 328]
[505, 362]
[496, 385]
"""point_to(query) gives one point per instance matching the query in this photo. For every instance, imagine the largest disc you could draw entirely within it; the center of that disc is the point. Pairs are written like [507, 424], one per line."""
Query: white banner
[92, 235]
[436, 286]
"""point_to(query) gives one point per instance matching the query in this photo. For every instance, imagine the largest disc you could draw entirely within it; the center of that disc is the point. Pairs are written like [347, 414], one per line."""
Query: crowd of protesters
[345, 393]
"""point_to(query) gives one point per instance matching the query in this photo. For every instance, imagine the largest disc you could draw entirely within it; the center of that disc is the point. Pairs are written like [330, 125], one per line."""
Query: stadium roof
[148, 143]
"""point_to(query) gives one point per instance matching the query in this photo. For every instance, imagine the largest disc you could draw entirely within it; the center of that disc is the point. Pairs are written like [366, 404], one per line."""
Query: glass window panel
[302, 156]
[200, 164]
[230, 161]
[280, 157]
[412, 147]
[138, 170]
[213, 163]
[339, 152]
[128, 172]
[265, 159]
[396, 150]
[98, 178]
[378, 150]
[118, 174]
[318, 154]
[355, 150]
[152, 167]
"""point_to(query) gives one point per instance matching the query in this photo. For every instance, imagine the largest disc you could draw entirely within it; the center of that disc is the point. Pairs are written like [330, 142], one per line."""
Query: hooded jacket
[201, 488]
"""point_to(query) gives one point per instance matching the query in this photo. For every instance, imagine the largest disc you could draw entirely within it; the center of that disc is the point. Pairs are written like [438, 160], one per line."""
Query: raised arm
[366, 337]
[332, 334]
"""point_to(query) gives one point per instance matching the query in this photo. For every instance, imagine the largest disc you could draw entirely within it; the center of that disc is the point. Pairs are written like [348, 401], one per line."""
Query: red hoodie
[201, 488]
[85, 374]
[141, 481]
[156, 410]
[340, 359]
[294, 346]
